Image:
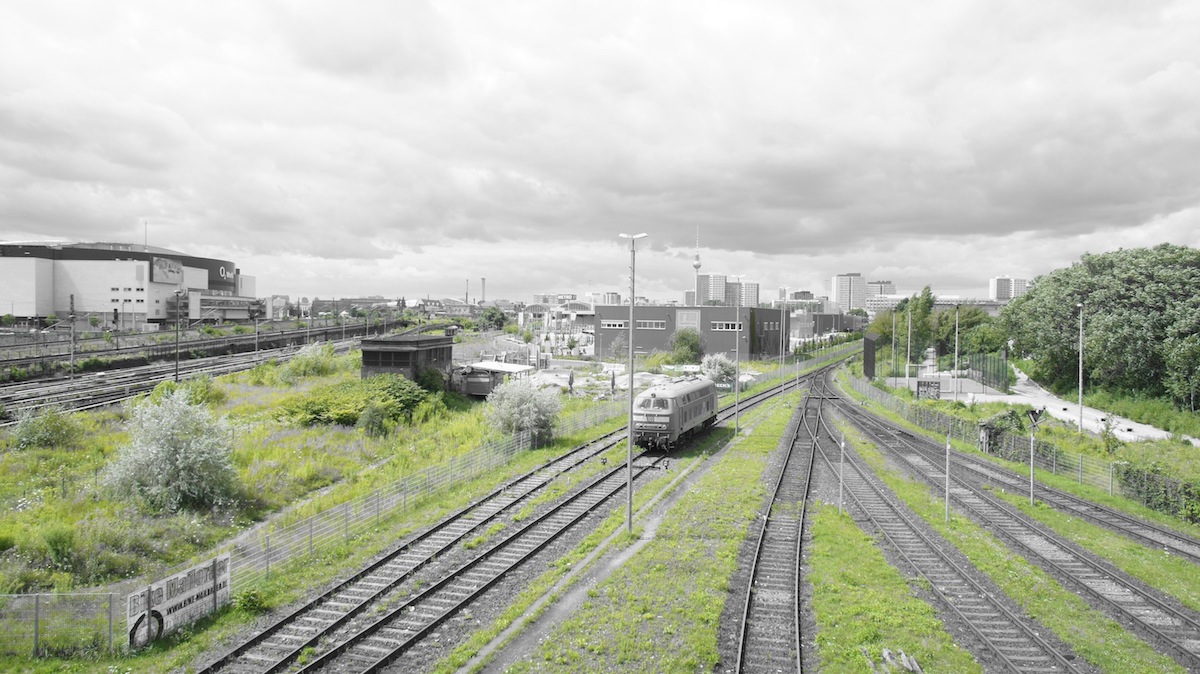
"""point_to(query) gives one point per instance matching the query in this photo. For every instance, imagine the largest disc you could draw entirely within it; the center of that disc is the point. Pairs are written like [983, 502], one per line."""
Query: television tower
[696, 266]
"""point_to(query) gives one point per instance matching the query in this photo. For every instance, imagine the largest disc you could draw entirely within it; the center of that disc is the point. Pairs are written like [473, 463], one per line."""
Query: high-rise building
[749, 294]
[1003, 288]
[710, 288]
[876, 288]
[848, 291]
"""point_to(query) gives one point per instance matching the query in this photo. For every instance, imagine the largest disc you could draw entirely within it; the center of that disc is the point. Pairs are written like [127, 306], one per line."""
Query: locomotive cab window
[654, 404]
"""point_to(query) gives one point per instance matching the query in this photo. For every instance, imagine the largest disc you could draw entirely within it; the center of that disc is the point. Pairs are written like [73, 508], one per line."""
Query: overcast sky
[405, 147]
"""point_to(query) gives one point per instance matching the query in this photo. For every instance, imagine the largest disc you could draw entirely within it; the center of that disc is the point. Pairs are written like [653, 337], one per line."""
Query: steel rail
[366, 585]
[405, 624]
[1124, 598]
[1016, 643]
[765, 594]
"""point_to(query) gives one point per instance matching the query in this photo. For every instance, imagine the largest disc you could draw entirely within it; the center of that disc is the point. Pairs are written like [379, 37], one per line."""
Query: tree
[518, 405]
[7, 320]
[179, 456]
[492, 318]
[687, 346]
[94, 320]
[1139, 305]
[719, 368]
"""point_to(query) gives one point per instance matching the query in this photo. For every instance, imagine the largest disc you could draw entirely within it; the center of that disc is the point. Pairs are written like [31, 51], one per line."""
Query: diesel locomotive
[665, 414]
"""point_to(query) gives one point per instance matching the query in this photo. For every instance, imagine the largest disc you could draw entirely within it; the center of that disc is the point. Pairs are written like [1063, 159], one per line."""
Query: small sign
[177, 601]
[929, 389]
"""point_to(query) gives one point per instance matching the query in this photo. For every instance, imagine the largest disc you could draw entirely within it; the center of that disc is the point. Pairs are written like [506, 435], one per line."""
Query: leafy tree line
[977, 331]
[1141, 320]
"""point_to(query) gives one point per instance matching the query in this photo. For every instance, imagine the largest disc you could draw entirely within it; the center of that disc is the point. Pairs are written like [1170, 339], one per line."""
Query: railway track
[769, 639]
[1156, 617]
[1148, 533]
[276, 646]
[100, 389]
[389, 609]
[1014, 640]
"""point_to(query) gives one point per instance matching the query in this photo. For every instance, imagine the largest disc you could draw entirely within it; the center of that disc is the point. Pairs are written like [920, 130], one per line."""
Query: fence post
[110, 623]
[346, 520]
[1111, 470]
[1081, 468]
[268, 555]
[310, 528]
[37, 616]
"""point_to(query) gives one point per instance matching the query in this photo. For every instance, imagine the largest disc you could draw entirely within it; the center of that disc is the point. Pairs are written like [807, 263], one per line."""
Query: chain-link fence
[1117, 477]
[61, 622]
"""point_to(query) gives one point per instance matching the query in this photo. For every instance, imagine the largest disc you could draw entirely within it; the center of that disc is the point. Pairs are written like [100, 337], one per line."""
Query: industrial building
[127, 286]
[655, 326]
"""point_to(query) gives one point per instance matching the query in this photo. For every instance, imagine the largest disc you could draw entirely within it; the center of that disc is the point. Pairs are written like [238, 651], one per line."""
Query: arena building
[127, 286]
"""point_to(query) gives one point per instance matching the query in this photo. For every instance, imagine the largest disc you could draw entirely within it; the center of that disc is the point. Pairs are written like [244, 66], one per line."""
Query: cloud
[412, 143]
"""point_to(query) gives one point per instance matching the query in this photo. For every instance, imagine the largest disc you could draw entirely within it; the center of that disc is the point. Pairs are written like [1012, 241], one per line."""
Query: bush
[60, 542]
[178, 457]
[344, 403]
[50, 427]
[516, 406]
[431, 380]
[376, 420]
[718, 368]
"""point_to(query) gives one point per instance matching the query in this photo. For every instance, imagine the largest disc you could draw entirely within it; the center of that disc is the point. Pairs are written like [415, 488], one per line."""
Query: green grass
[862, 602]
[1157, 568]
[1091, 634]
[1063, 481]
[563, 565]
[290, 582]
[660, 611]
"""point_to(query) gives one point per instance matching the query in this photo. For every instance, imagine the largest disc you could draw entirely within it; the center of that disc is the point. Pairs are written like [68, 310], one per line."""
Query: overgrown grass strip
[660, 612]
[862, 602]
[1091, 634]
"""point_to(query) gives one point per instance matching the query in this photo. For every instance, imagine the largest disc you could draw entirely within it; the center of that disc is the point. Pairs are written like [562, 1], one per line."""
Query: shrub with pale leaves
[516, 406]
[179, 456]
[718, 367]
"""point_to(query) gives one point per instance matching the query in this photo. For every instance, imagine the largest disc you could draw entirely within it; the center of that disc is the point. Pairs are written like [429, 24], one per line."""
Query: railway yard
[723, 570]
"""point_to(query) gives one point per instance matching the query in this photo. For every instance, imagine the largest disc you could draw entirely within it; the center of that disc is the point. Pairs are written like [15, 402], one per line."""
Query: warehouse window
[726, 326]
[651, 325]
[612, 325]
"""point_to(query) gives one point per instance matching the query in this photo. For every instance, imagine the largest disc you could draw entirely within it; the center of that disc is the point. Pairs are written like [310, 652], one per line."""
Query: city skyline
[406, 148]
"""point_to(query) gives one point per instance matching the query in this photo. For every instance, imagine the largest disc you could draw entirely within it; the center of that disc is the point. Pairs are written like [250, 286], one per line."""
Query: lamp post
[908, 348]
[955, 353]
[1034, 418]
[71, 368]
[782, 311]
[178, 295]
[629, 431]
[737, 358]
[1080, 306]
[893, 343]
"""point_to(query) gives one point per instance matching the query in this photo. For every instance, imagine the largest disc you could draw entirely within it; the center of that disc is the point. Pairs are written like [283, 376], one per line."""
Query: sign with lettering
[173, 602]
[929, 389]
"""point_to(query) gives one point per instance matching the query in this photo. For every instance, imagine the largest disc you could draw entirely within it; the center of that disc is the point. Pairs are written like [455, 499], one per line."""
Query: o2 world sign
[174, 602]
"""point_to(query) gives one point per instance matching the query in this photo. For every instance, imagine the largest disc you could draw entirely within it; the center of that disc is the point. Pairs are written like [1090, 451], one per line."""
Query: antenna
[145, 236]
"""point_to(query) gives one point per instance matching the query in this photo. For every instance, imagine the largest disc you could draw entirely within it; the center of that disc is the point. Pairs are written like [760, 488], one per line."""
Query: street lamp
[908, 348]
[781, 313]
[893, 383]
[1080, 306]
[178, 294]
[629, 431]
[1034, 419]
[737, 357]
[955, 353]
